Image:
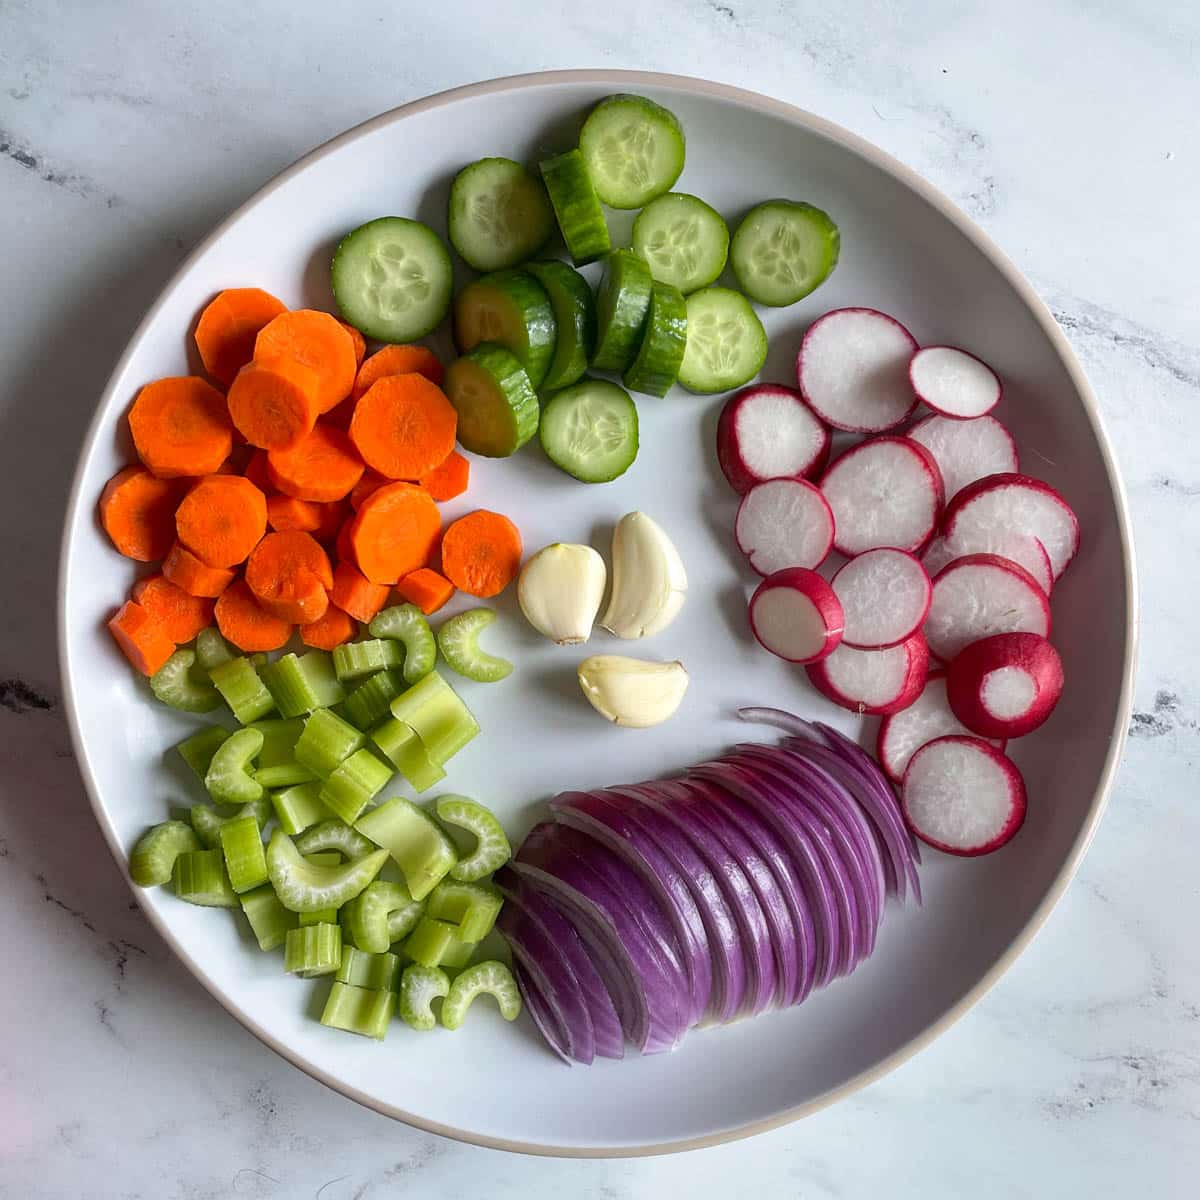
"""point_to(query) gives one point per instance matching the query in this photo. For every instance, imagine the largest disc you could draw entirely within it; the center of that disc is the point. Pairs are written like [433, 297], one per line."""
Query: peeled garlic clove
[631, 691]
[649, 581]
[560, 591]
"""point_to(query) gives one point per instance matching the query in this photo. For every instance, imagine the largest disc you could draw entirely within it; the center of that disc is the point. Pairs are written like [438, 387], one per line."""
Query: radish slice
[929, 716]
[795, 614]
[883, 492]
[784, 523]
[885, 597]
[1005, 686]
[953, 382]
[1022, 548]
[873, 681]
[1017, 503]
[963, 796]
[979, 595]
[853, 370]
[966, 450]
[768, 432]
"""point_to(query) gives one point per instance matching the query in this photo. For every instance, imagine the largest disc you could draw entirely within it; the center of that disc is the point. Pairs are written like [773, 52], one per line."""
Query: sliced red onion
[548, 1022]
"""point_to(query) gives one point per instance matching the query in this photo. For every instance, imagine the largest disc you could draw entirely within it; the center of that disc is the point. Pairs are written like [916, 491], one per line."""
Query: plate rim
[756, 101]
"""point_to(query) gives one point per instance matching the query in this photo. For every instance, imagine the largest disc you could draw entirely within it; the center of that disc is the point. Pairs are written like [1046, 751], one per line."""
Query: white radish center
[1022, 548]
[954, 382]
[881, 494]
[978, 599]
[957, 794]
[777, 434]
[966, 450]
[789, 624]
[928, 717]
[1008, 692]
[869, 677]
[1023, 509]
[783, 523]
[884, 595]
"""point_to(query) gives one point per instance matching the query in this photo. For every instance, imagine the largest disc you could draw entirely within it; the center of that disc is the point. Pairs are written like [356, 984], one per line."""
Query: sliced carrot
[227, 328]
[222, 519]
[142, 637]
[245, 623]
[180, 426]
[448, 480]
[256, 471]
[404, 426]
[394, 532]
[371, 481]
[334, 628]
[317, 340]
[360, 342]
[354, 593]
[137, 510]
[286, 512]
[332, 516]
[426, 589]
[397, 360]
[343, 547]
[481, 553]
[180, 614]
[290, 576]
[321, 466]
[273, 402]
[197, 578]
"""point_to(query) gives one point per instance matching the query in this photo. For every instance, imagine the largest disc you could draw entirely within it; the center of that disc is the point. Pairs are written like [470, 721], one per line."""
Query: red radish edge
[909, 661]
[966, 450]
[784, 523]
[795, 614]
[888, 586]
[1005, 685]
[977, 387]
[1021, 548]
[794, 442]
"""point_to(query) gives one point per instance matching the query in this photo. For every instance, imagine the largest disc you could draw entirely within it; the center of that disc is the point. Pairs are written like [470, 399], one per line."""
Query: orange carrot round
[245, 623]
[256, 471]
[334, 628]
[197, 578]
[273, 402]
[290, 576]
[481, 553]
[286, 512]
[397, 360]
[222, 519]
[394, 532]
[448, 480]
[332, 516]
[355, 594]
[425, 588]
[317, 340]
[142, 638]
[137, 510]
[180, 426]
[404, 426]
[360, 342]
[321, 466]
[371, 481]
[227, 328]
[343, 547]
[180, 614]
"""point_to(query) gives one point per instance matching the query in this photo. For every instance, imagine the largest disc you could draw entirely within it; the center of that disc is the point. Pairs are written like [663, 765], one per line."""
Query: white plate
[905, 249]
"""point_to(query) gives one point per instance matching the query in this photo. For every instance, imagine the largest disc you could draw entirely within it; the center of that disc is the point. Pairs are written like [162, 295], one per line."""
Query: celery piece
[369, 701]
[285, 775]
[174, 684]
[472, 908]
[375, 972]
[211, 649]
[429, 940]
[242, 689]
[436, 714]
[417, 843]
[359, 1010]
[303, 887]
[228, 779]
[245, 859]
[153, 858]
[352, 785]
[458, 640]
[207, 822]
[269, 920]
[458, 954]
[402, 921]
[323, 858]
[357, 660]
[279, 740]
[199, 878]
[298, 807]
[419, 987]
[323, 916]
[486, 978]
[367, 917]
[327, 741]
[198, 750]
[333, 834]
[492, 849]
[406, 753]
[406, 623]
[312, 950]
[302, 684]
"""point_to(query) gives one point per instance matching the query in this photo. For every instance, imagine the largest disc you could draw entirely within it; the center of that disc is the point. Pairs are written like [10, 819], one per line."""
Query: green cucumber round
[590, 430]
[726, 343]
[498, 214]
[510, 309]
[664, 341]
[575, 317]
[684, 240]
[496, 404]
[576, 207]
[622, 303]
[783, 250]
[634, 150]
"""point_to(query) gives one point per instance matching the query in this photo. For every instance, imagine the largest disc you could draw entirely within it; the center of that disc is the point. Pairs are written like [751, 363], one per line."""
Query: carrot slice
[222, 519]
[334, 628]
[355, 594]
[227, 328]
[290, 576]
[273, 402]
[404, 426]
[182, 568]
[426, 589]
[317, 340]
[181, 615]
[371, 481]
[394, 532]
[360, 342]
[256, 471]
[333, 515]
[245, 623]
[397, 360]
[137, 510]
[448, 480]
[322, 466]
[286, 512]
[142, 638]
[180, 426]
[481, 553]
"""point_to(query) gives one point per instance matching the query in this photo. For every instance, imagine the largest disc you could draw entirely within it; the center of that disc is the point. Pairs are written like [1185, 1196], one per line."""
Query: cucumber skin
[652, 111]
[460, 196]
[745, 280]
[706, 386]
[576, 207]
[533, 310]
[575, 315]
[509, 377]
[656, 366]
[623, 303]
[546, 434]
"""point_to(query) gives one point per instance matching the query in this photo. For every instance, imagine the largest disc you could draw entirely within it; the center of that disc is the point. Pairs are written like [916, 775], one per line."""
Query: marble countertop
[1068, 130]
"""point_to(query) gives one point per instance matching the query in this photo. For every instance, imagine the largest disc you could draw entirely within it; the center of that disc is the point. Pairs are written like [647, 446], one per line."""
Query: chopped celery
[419, 987]
[436, 714]
[472, 908]
[245, 860]
[486, 978]
[356, 660]
[312, 950]
[323, 858]
[302, 684]
[406, 623]
[333, 834]
[367, 917]
[207, 822]
[228, 779]
[298, 807]
[174, 684]
[417, 843]
[429, 940]
[153, 858]
[323, 916]
[326, 742]
[492, 849]
[279, 740]
[199, 878]
[369, 701]
[375, 972]
[303, 887]
[198, 750]
[458, 640]
[269, 920]
[244, 692]
[401, 921]
[285, 775]
[211, 649]
[353, 784]
[458, 954]
[359, 1010]
[406, 753]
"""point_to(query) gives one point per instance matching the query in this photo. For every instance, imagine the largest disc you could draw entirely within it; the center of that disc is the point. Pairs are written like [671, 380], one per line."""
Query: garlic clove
[649, 580]
[560, 591]
[631, 691]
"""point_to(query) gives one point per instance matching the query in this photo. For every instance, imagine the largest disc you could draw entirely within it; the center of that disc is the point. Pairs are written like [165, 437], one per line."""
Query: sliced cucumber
[458, 640]
[664, 340]
[684, 240]
[634, 150]
[392, 279]
[590, 430]
[621, 307]
[509, 309]
[575, 319]
[782, 250]
[498, 215]
[495, 401]
[726, 343]
[576, 207]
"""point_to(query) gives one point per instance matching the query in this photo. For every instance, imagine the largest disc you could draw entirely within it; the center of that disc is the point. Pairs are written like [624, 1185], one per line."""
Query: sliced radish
[873, 681]
[885, 596]
[1006, 685]
[784, 523]
[953, 382]
[795, 614]
[883, 492]
[929, 716]
[979, 595]
[962, 796]
[1022, 548]
[853, 370]
[966, 450]
[768, 432]
[1020, 504]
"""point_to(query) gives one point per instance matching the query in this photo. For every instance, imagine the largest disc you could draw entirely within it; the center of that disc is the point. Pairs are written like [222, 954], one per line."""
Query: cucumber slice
[782, 250]
[176, 686]
[392, 279]
[486, 978]
[510, 309]
[622, 305]
[303, 887]
[591, 430]
[574, 316]
[576, 207]
[726, 343]
[634, 150]
[685, 241]
[499, 214]
[495, 401]
[458, 640]
[664, 340]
